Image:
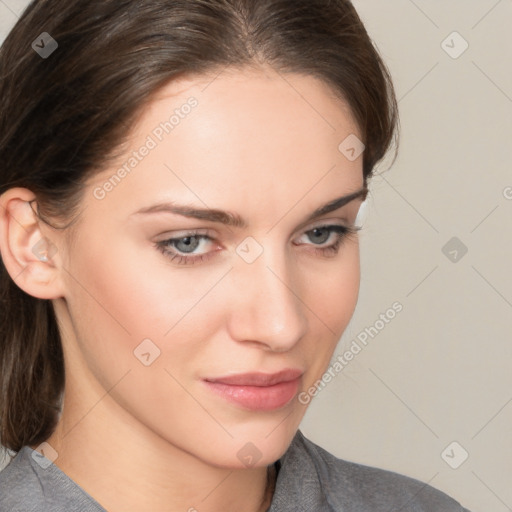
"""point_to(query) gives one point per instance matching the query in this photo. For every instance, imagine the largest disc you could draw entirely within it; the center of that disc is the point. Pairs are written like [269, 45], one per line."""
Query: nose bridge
[268, 310]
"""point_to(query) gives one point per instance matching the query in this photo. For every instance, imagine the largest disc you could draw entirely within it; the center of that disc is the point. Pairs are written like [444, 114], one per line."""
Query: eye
[182, 249]
[324, 233]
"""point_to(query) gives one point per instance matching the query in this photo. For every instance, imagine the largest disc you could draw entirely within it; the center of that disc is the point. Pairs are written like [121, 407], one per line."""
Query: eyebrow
[234, 220]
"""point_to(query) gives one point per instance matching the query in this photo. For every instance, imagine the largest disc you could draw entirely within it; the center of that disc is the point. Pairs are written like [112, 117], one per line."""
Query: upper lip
[258, 378]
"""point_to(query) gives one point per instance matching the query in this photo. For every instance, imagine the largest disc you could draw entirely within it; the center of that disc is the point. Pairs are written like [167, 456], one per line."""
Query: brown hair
[61, 116]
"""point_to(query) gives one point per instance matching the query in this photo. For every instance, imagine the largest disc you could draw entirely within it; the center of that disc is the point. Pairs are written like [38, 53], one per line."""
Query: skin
[154, 437]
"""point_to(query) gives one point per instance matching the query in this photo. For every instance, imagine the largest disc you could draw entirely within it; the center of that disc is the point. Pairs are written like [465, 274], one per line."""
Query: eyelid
[328, 222]
[183, 233]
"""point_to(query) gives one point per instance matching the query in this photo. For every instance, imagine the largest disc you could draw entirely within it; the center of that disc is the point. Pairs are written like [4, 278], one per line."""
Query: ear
[28, 246]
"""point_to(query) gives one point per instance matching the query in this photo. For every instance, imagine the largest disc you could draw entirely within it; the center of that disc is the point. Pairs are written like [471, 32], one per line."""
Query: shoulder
[351, 487]
[19, 486]
[28, 485]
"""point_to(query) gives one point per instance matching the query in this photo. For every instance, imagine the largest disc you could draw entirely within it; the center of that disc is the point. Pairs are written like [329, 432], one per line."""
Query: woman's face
[148, 324]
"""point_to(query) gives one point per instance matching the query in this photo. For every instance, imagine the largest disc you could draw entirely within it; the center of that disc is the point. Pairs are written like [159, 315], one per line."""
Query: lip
[258, 391]
[258, 378]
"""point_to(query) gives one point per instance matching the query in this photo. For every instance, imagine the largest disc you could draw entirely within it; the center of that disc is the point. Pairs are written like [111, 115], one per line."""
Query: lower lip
[257, 398]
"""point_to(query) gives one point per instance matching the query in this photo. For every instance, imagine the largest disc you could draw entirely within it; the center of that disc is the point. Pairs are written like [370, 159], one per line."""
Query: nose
[267, 308]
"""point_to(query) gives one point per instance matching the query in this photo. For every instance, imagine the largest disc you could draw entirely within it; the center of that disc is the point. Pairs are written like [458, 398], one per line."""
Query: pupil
[319, 231]
[189, 246]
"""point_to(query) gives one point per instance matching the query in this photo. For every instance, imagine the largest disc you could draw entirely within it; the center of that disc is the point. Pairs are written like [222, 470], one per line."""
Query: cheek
[128, 294]
[332, 302]
[333, 291]
[135, 297]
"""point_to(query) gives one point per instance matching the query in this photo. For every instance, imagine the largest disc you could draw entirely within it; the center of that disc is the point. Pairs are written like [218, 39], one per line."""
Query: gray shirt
[309, 479]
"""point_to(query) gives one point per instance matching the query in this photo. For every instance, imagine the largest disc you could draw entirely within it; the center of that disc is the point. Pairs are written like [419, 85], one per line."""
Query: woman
[167, 168]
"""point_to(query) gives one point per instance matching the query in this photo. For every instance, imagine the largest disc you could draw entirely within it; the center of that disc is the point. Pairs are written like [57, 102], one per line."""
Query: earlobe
[28, 252]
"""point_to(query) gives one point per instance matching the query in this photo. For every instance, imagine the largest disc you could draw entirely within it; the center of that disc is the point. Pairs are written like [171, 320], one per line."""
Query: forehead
[236, 139]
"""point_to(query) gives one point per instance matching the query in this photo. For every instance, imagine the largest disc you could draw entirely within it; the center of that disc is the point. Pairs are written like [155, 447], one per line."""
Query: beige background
[440, 370]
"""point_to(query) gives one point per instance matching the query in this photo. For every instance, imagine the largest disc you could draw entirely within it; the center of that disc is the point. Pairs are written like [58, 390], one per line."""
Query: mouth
[257, 391]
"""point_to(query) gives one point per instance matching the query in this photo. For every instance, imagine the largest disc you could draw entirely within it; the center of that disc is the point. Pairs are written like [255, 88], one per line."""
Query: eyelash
[342, 233]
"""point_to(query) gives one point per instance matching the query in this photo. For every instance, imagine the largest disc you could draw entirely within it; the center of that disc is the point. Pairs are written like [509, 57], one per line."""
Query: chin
[255, 445]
